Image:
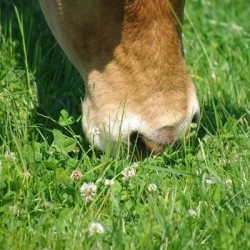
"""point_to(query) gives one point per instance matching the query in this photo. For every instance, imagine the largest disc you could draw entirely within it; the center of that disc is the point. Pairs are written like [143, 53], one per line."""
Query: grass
[202, 200]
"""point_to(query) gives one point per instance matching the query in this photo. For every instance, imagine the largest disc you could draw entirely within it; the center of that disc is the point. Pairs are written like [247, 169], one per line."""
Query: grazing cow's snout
[151, 128]
[130, 56]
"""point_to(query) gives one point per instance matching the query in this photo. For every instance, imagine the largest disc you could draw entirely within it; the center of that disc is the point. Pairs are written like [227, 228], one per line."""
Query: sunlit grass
[197, 197]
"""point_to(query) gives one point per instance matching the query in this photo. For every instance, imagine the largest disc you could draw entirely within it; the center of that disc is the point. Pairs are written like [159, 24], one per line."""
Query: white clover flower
[26, 174]
[210, 180]
[109, 182]
[76, 175]
[10, 156]
[96, 228]
[228, 182]
[152, 187]
[94, 131]
[128, 173]
[192, 213]
[88, 191]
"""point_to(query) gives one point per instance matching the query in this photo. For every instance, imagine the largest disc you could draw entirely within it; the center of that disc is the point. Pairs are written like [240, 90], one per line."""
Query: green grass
[203, 195]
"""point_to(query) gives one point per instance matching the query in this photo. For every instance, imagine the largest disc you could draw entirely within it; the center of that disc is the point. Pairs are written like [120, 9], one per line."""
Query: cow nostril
[136, 141]
[133, 137]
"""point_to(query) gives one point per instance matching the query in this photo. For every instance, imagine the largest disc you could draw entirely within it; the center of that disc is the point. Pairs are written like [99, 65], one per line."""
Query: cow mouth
[145, 146]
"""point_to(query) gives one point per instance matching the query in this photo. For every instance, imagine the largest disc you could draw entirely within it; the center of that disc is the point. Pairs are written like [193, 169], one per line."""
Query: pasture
[57, 192]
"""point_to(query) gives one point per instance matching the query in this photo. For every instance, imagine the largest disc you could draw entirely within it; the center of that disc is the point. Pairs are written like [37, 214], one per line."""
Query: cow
[130, 56]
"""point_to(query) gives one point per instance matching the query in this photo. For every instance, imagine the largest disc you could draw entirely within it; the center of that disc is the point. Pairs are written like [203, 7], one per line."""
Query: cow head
[130, 55]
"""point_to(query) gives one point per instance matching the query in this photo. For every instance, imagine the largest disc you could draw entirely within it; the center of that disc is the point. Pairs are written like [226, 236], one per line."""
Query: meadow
[57, 192]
